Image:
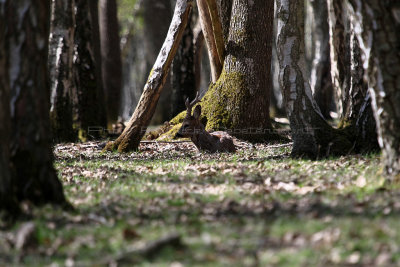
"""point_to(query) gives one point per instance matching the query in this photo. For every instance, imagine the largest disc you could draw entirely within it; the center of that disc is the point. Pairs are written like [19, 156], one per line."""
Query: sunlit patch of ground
[169, 205]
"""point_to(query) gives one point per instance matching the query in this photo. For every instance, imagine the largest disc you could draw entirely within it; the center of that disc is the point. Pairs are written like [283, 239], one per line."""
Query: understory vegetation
[170, 205]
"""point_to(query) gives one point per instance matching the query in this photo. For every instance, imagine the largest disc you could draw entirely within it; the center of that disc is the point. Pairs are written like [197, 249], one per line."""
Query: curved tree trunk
[239, 101]
[311, 134]
[129, 140]
[212, 31]
[34, 177]
[111, 58]
[60, 64]
[90, 108]
[379, 25]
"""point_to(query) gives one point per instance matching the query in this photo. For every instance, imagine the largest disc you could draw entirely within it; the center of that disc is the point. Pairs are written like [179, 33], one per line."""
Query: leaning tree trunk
[213, 35]
[321, 82]
[60, 63]
[183, 72]
[34, 177]
[110, 57]
[130, 138]
[89, 101]
[311, 134]
[379, 25]
[239, 101]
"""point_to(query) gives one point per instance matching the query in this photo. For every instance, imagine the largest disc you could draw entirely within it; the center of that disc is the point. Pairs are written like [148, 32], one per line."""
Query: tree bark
[90, 108]
[239, 101]
[225, 12]
[61, 51]
[311, 134]
[379, 36]
[96, 45]
[340, 52]
[321, 81]
[111, 57]
[183, 72]
[34, 177]
[7, 196]
[347, 71]
[129, 140]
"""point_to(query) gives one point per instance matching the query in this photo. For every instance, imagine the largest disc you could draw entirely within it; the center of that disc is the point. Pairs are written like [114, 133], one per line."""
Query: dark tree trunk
[379, 22]
[111, 58]
[239, 101]
[321, 81]
[340, 52]
[7, 196]
[182, 74]
[225, 11]
[34, 177]
[311, 134]
[60, 64]
[90, 108]
[96, 45]
[358, 116]
[347, 71]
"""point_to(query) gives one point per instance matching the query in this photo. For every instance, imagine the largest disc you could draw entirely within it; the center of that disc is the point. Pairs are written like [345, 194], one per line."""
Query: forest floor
[169, 205]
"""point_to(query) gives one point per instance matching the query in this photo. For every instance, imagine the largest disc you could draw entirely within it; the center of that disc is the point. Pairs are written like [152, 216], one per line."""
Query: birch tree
[61, 51]
[378, 32]
[33, 176]
[312, 136]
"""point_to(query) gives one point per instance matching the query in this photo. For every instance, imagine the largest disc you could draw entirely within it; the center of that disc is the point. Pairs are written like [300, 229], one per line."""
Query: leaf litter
[253, 207]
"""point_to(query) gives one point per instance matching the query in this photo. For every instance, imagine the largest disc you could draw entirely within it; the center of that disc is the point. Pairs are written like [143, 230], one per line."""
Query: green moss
[82, 135]
[217, 104]
[170, 135]
[178, 118]
[345, 123]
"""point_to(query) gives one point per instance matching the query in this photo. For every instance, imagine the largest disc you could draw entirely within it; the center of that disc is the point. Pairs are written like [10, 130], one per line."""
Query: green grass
[255, 207]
